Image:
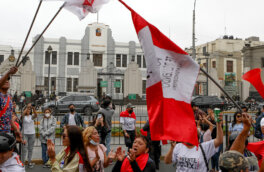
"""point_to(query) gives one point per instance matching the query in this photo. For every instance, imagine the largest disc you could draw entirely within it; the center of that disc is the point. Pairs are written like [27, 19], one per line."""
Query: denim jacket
[77, 117]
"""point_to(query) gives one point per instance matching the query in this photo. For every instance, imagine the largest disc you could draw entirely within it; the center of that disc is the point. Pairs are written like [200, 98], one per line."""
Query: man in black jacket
[72, 118]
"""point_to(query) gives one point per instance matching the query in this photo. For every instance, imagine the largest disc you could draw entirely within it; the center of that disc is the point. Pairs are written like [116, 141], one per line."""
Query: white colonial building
[95, 64]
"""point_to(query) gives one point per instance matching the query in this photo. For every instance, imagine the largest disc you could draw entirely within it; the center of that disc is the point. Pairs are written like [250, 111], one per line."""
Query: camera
[33, 105]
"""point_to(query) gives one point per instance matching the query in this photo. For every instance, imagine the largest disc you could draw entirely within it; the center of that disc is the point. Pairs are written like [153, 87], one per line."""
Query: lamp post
[49, 51]
[193, 37]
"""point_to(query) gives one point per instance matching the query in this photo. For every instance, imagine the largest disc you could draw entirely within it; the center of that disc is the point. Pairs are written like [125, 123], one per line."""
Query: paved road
[163, 168]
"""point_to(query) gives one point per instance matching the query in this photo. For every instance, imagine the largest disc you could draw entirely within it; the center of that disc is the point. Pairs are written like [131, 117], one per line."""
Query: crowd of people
[88, 148]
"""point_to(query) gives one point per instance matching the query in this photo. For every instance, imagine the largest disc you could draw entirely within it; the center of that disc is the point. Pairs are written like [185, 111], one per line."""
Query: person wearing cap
[9, 160]
[128, 122]
[6, 107]
[234, 160]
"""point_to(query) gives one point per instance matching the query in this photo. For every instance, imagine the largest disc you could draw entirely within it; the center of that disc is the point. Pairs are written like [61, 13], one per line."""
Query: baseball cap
[233, 161]
[7, 142]
[129, 105]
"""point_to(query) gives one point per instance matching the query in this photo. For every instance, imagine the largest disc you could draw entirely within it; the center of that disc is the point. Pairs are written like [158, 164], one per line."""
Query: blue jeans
[108, 142]
[45, 156]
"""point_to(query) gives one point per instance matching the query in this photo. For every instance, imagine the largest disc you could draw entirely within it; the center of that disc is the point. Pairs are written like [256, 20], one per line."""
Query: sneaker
[31, 165]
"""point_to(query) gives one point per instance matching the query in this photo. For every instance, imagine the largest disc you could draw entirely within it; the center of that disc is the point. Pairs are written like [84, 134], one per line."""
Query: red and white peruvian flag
[81, 8]
[171, 76]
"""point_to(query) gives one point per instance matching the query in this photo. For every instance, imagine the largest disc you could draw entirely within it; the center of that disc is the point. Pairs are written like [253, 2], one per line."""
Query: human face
[139, 146]
[4, 156]
[65, 138]
[239, 117]
[95, 136]
[6, 85]
[209, 111]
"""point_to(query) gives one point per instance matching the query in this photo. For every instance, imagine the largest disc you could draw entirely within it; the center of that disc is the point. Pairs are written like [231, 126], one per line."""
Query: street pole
[49, 52]
[193, 37]
[207, 89]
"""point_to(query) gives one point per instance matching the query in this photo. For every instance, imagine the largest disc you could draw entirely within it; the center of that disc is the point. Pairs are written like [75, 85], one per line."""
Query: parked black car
[83, 104]
[204, 102]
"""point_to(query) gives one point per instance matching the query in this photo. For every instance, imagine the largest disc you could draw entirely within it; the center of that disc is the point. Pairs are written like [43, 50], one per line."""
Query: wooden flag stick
[32, 23]
[42, 33]
[216, 83]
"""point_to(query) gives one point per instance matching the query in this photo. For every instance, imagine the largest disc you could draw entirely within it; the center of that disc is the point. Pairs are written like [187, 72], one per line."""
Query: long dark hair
[95, 118]
[234, 120]
[77, 145]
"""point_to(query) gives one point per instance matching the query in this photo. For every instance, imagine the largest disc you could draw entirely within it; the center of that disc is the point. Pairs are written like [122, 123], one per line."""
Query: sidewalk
[163, 168]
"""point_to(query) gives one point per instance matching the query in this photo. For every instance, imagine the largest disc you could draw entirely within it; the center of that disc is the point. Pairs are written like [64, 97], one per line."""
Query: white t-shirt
[28, 125]
[12, 164]
[71, 119]
[192, 160]
[128, 124]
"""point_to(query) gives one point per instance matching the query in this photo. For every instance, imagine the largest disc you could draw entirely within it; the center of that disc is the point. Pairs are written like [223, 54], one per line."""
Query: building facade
[110, 59]
[225, 56]
[253, 58]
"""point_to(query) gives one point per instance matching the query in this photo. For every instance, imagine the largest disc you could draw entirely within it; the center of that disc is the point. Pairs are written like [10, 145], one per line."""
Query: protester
[205, 128]
[101, 126]
[186, 156]
[258, 132]
[197, 112]
[6, 107]
[47, 128]
[138, 158]
[106, 109]
[72, 118]
[28, 131]
[108, 97]
[237, 125]
[234, 160]
[73, 157]
[128, 122]
[244, 109]
[96, 151]
[9, 160]
[155, 148]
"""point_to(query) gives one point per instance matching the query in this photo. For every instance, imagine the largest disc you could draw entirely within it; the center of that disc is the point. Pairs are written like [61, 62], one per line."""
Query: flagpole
[36, 13]
[216, 83]
[42, 33]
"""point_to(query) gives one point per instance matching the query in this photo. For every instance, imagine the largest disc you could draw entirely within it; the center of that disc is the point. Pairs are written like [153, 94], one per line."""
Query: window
[124, 60]
[133, 58]
[204, 50]
[118, 89]
[54, 57]
[69, 84]
[80, 98]
[46, 83]
[262, 62]
[144, 62]
[76, 58]
[1, 58]
[98, 59]
[144, 83]
[53, 83]
[68, 99]
[139, 60]
[47, 57]
[69, 58]
[75, 84]
[229, 66]
[214, 64]
[98, 32]
[118, 60]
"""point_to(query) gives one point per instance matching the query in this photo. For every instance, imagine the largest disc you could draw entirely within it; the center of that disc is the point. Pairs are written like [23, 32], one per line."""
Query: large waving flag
[81, 8]
[171, 76]
[258, 149]
[254, 77]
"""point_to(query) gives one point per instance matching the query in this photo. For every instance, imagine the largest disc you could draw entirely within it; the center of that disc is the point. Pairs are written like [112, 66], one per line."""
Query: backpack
[257, 132]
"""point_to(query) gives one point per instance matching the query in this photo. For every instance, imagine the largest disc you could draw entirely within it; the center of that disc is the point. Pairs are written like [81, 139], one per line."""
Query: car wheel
[88, 111]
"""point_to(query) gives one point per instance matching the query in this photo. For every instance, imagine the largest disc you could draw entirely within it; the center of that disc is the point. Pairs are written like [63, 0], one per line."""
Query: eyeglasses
[8, 78]
[238, 116]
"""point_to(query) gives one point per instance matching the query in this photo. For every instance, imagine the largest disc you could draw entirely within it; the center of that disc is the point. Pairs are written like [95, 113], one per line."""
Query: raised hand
[120, 154]
[13, 70]
[111, 155]
[96, 154]
[131, 155]
[51, 151]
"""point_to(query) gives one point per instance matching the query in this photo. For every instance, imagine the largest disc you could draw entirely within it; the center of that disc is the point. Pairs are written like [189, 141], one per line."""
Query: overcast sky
[241, 18]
